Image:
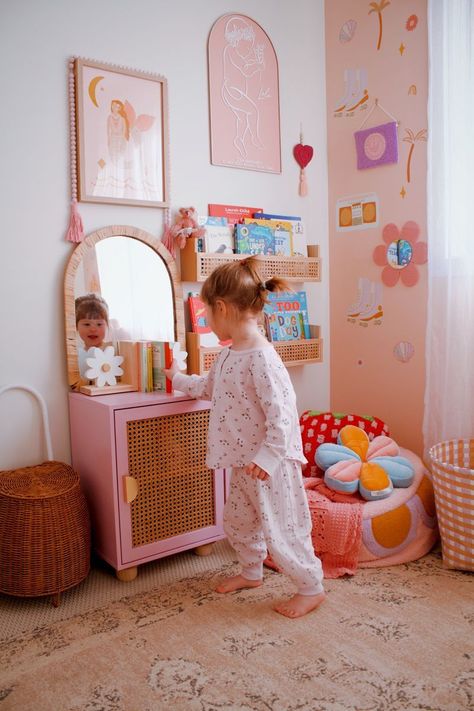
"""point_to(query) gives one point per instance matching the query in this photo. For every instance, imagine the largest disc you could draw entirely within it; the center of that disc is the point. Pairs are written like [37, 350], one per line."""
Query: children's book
[143, 378]
[204, 221]
[219, 239]
[285, 326]
[162, 357]
[233, 213]
[254, 239]
[298, 233]
[197, 313]
[287, 315]
[282, 232]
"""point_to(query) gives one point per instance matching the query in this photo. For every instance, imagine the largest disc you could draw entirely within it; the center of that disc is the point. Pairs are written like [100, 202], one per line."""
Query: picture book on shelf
[233, 213]
[204, 220]
[197, 314]
[287, 316]
[219, 239]
[298, 233]
[282, 233]
[254, 239]
[208, 221]
[285, 326]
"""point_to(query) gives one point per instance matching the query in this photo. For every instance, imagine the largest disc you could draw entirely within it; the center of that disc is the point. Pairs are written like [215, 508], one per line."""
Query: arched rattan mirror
[138, 278]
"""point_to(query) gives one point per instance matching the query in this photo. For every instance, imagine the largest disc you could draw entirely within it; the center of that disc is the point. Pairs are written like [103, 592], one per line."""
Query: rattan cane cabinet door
[177, 500]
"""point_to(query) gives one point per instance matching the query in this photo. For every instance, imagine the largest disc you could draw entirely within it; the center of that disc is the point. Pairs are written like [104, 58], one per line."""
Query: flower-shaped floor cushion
[356, 464]
[394, 530]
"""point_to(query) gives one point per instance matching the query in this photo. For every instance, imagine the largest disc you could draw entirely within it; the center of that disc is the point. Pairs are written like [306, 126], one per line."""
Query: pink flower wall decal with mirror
[400, 254]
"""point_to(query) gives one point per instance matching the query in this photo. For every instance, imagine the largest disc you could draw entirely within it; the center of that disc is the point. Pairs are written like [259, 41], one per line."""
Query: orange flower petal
[373, 477]
[356, 439]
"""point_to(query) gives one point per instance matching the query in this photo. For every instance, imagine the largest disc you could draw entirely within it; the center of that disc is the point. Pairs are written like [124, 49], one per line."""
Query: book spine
[168, 362]
[142, 361]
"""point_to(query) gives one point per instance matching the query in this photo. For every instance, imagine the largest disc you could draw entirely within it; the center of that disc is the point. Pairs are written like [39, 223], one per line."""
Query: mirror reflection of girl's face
[92, 331]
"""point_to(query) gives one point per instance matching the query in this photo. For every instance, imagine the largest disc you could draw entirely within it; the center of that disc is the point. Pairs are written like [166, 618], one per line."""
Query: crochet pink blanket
[337, 528]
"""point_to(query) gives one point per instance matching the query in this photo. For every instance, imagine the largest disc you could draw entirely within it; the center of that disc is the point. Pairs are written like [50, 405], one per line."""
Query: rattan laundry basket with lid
[44, 526]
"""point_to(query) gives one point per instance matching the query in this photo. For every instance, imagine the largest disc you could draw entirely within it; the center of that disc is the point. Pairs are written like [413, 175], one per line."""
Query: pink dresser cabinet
[141, 461]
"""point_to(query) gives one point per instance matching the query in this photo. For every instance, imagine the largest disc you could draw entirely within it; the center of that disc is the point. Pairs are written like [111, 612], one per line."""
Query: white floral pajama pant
[274, 515]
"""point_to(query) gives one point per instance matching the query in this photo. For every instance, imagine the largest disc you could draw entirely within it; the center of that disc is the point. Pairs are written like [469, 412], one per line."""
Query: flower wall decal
[411, 23]
[104, 366]
[400, 254]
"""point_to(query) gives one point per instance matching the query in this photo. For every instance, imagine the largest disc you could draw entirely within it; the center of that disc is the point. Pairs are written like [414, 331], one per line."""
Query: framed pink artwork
[244, 100]
[121, 135]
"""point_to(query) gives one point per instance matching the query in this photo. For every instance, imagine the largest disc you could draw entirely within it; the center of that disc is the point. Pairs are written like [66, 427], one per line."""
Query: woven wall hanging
[377, 145]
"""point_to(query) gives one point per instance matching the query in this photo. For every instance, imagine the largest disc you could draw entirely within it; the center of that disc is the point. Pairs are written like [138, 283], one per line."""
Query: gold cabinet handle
[130, 488]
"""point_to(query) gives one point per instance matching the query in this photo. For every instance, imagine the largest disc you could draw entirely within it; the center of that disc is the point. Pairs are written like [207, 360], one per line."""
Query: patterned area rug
[388, 638]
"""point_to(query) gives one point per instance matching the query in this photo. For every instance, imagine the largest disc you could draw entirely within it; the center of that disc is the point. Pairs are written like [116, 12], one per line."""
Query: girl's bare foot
[300, 605]
[237, 582]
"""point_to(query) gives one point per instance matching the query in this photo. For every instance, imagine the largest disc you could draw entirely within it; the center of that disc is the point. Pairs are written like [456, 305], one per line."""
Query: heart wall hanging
[303, 155]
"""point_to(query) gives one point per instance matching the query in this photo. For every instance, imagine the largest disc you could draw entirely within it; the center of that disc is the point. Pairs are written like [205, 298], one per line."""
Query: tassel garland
[75, 231]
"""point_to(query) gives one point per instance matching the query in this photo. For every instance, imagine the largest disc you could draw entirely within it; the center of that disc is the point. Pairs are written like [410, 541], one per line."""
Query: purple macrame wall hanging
[377, 145]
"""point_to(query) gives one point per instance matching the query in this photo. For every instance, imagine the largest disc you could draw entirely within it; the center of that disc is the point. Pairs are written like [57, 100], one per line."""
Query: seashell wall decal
[347, 31]
[404, 351]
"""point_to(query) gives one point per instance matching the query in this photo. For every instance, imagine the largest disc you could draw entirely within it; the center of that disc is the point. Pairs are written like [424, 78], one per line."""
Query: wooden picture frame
[121, 135]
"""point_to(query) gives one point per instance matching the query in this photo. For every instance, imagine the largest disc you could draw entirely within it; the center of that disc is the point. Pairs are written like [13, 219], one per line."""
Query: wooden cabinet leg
[127, 575]
[205, 549]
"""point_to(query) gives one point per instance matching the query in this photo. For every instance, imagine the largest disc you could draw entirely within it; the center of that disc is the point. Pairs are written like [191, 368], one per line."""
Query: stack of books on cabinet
[231, 233]
[143, 364]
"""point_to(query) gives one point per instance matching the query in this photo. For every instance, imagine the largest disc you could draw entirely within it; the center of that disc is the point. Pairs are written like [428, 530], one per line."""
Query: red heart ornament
[303, 154]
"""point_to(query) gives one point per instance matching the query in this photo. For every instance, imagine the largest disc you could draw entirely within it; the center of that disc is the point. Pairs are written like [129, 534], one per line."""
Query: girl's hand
[256, 472]
[172, 370]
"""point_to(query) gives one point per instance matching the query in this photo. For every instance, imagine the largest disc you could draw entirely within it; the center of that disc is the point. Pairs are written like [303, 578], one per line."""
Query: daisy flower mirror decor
[104, 366]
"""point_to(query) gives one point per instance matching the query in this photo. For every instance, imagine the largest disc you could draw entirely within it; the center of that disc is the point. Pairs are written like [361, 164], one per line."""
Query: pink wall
[366, 375]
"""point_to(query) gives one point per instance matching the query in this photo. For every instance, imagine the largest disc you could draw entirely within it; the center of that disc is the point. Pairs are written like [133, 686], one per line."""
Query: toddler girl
[254, 430]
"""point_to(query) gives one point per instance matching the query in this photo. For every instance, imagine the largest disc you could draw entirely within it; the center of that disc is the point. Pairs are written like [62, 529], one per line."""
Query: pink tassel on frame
[168, 241]
[75, 231]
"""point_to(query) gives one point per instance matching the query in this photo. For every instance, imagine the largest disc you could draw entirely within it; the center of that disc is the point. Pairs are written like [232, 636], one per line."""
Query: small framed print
[121, 135]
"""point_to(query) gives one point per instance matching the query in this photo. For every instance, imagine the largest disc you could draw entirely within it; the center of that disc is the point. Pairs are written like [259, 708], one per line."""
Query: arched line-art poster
[243, 96]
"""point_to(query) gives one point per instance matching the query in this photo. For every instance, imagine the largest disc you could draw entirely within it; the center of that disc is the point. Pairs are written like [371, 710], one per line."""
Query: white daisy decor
[104, 366]
[179, 356]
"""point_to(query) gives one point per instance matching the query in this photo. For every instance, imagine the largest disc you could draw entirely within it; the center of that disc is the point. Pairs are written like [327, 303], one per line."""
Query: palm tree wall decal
[379, 8]
[412, 138]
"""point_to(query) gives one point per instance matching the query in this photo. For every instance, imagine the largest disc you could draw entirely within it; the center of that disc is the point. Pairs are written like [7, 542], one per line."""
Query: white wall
[36, 39]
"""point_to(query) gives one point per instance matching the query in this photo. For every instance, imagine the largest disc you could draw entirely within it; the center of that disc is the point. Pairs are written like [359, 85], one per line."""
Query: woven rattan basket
[44, 527]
